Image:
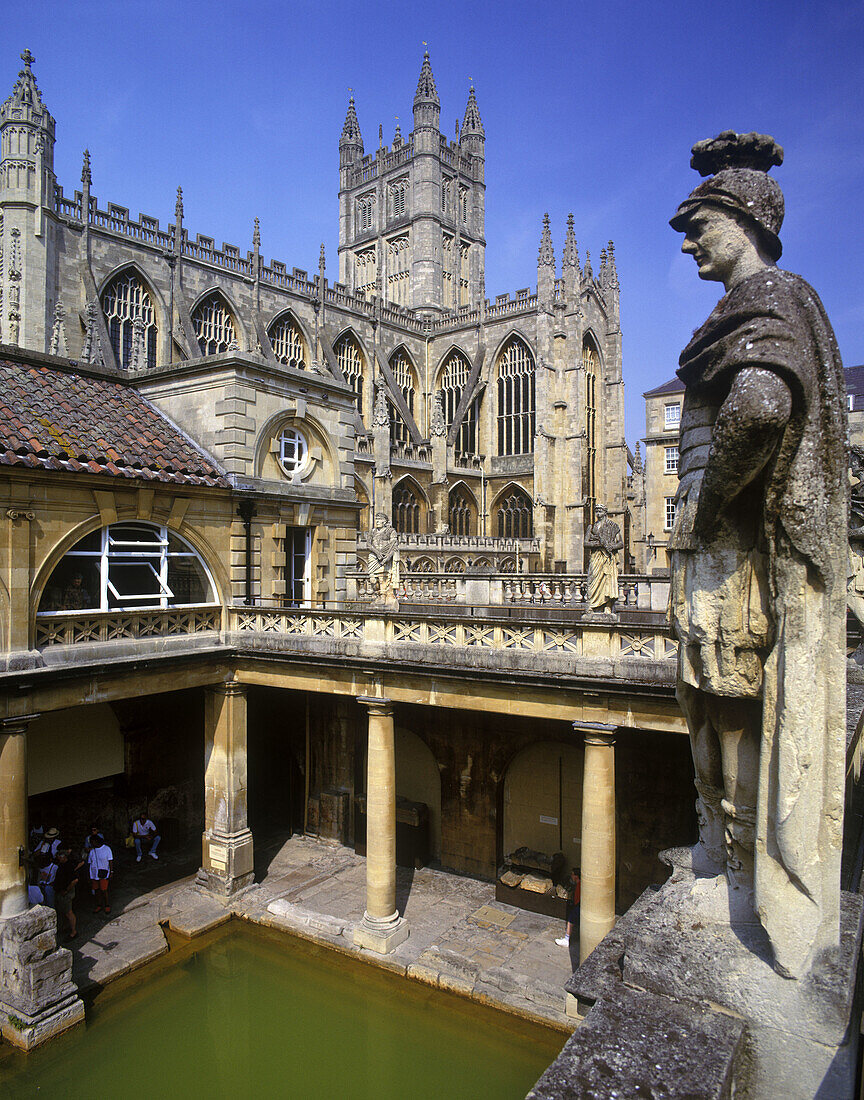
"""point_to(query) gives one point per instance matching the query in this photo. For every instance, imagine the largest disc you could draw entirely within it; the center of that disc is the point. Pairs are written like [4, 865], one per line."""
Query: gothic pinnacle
[178, 205]
[351, 128]
[26, 91]
[472, 123]
[426, 84]
[256, 235]
[571, 249]
[546, 255]
[86, 176]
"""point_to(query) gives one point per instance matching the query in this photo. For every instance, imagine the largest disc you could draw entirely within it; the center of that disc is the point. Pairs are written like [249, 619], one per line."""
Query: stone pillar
[226, 863]
[37, 996]
[381, 928]
[597, 909]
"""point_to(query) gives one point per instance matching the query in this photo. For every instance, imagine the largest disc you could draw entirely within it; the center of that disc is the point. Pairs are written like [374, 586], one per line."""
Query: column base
[381, 935]
[38, 998]
[226, 863]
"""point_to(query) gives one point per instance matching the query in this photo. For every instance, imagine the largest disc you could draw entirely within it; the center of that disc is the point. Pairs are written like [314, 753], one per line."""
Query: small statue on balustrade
[604, 541]
[383, 565]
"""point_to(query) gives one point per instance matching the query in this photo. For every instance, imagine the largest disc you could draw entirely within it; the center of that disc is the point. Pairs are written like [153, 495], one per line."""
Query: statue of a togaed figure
[759, 562]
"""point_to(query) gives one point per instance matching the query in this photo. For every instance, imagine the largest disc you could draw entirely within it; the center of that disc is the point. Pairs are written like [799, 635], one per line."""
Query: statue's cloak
[773, 320]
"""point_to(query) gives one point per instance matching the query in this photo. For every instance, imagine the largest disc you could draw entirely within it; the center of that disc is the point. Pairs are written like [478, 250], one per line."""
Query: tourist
[47, 873]
[37, 834]
[100, 863]
[49, 843]
[144, 830]
[65, 881]
[573, 898]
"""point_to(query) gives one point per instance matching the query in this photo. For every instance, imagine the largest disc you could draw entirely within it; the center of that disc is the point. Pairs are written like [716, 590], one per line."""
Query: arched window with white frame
[515, 391]
[287, 341]
[214, 325]
[124, 300]
[129, 565]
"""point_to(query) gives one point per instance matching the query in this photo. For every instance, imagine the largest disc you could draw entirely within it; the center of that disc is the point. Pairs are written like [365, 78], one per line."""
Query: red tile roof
[58, 420]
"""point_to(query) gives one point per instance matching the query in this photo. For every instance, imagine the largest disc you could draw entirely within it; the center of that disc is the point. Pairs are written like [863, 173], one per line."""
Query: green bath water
[250, 1014]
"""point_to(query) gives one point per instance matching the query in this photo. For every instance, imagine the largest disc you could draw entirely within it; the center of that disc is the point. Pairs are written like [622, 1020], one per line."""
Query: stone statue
[759, 558]
[382, 568]
[604, 541]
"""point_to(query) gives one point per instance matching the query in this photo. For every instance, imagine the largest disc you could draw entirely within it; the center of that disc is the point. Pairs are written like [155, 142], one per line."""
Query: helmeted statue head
[739, 183]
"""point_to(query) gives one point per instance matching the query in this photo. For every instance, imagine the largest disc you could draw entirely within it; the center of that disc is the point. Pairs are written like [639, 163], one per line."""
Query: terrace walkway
[461, 939]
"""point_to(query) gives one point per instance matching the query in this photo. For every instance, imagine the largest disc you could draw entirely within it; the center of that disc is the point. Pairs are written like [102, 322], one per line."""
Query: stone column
[382, 928]
[597, 909]
[226, 863]
[37, 996]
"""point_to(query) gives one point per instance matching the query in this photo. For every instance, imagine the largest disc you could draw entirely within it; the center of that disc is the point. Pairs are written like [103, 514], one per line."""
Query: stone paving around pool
[461, 939]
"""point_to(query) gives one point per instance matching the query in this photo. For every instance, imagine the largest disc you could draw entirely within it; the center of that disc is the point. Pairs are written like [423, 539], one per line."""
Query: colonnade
[227, 844]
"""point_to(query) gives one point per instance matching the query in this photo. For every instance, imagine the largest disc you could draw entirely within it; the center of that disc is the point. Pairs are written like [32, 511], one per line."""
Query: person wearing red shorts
[100, 862]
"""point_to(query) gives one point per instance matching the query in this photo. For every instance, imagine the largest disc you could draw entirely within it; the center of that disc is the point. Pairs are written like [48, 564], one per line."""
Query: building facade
[504, 418]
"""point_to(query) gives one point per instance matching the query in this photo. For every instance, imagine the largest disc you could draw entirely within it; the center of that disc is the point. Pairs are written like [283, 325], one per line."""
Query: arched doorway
[542, 805]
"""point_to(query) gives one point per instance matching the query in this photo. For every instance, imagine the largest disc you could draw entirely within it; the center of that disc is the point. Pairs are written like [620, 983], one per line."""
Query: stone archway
[542, 804]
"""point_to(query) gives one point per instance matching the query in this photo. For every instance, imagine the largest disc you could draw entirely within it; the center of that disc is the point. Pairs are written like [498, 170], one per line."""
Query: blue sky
[589, 108]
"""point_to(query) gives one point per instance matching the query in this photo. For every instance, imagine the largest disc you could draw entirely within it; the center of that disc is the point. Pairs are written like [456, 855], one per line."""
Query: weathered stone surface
[640, 1044]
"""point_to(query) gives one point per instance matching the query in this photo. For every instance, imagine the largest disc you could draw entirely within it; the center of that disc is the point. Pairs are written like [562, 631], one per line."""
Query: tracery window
[287, 341]
[589, 363]
[463, 204]
[406, 509]
[365, 209]
[367, 271]
[128, 566]
[350, 360]
[398, 198]
[461, 512]
[398, 275]
[403, 373]
[464, 270]
[214, 325]
[515, 398]
[454, 565]
[453, 379]
[449, 301]
[515, 516]
[123, 300]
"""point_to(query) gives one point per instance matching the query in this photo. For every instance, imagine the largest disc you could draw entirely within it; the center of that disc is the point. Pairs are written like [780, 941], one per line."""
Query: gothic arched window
[406, 509]
[398, 275]
[403, 373]
[350, 360]
[124, 299]
[515, 398]
[589, 364]
[461, 512]
[515, 515]
[287, 341]
[453, 380]
[214, 325]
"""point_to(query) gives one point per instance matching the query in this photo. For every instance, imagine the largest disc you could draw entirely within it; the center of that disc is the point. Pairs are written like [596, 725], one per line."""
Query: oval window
[293, 451]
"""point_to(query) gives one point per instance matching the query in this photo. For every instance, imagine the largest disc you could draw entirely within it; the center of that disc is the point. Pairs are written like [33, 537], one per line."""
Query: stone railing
[296, 280]
[462, 542]
[74, 627]
[402, 318]
[410, 452]
[572, 639]
[464, 461]
[504, 306]
[340, 295]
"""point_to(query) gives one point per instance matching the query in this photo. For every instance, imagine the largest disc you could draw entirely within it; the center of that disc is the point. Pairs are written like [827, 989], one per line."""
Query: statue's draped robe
[603, 563]
[774, 579]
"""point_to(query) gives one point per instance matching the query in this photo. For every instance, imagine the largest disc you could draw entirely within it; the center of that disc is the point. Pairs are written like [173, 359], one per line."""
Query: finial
[178, 205]
[588, 273]
[321, 258]
[472, 123]
[256, 235]
[28, 58]
[86, 176]
[571, 250]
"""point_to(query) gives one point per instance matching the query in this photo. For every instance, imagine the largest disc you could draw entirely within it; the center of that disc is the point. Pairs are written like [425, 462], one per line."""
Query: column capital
[229, 687]
[376, 705]
[596, 733]
[17, 725]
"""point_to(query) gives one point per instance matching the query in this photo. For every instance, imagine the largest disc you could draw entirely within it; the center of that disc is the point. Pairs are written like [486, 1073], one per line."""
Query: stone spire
[398, 140]
[351, 141]
[472, 123]
[26, 91]
[546, 255]
[571, 249]
[427, 105]
[256, 236]
[178, 205]
[86, 174]
[601, 274]
[612, 272]
[587, 273]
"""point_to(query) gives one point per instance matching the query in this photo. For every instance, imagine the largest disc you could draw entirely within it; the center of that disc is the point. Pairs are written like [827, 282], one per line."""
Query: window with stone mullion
[123, 300]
